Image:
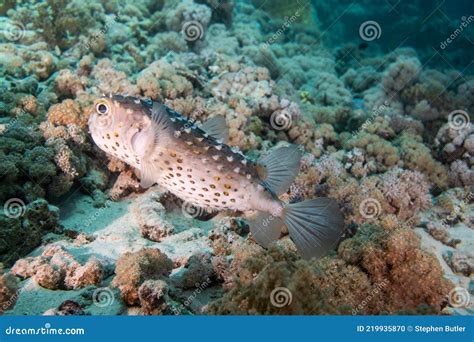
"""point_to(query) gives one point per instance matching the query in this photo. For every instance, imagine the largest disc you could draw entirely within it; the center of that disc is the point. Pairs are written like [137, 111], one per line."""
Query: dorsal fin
[279, 168]
[217, 128]
[160, 118]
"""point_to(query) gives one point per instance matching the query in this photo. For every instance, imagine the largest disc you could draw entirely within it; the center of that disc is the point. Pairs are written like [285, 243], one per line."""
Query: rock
[48, 277]
[8, 291]
[197, 270]
[152, 295]
[67, 308]
[150, 215]
[89, 274]
[55, 269]
[461, 262]
[27, 267]
[132, 269]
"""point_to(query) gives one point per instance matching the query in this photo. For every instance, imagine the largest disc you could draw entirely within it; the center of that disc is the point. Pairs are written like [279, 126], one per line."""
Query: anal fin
[265, 228]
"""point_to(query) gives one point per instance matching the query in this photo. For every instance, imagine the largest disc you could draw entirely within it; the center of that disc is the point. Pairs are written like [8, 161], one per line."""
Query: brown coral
[416, 156]
[67, 112]
[413, 279]
[132, 269]
[56, 268]
[8, 290]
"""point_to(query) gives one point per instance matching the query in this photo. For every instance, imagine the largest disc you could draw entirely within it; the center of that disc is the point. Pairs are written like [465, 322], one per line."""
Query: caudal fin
[315, 226]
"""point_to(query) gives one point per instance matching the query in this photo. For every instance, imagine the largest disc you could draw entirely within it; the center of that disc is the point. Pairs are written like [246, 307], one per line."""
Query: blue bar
[243, 329]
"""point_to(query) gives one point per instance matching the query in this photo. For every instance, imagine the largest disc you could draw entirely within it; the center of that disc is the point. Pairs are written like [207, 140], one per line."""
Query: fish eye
[102, 108]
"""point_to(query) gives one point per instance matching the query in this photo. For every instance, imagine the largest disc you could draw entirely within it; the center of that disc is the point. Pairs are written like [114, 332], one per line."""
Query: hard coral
[56, 268]
[24, 227]
[382, 152]
[276, 282]
[133, 269]
[54, 18]
[161, 81]
[400, 74]
[416, 156]
[67, 112]
[456, 146]
[8, 290]
[413, 279]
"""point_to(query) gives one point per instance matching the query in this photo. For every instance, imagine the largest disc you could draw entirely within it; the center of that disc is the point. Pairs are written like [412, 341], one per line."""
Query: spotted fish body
[185, 159]
[196, 165]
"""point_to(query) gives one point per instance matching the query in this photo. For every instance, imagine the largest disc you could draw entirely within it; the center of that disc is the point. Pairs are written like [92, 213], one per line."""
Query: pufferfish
[194, 163]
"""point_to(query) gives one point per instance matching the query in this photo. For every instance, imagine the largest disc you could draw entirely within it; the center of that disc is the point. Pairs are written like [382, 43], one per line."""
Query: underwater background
[380, 94]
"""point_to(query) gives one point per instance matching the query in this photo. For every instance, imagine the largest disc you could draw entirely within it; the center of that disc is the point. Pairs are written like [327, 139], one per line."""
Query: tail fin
[278, 169]
[315, 226]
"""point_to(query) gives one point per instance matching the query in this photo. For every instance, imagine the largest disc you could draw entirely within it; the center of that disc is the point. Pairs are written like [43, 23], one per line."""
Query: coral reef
[374, 264]
[389, 136]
